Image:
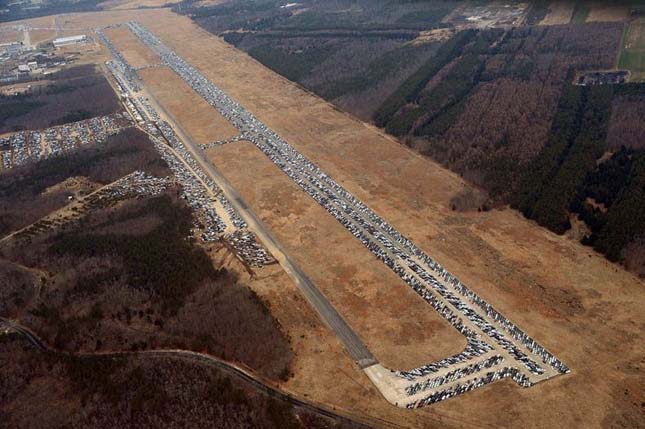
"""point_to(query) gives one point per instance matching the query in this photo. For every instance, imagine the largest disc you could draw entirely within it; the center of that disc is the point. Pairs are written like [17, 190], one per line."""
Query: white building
[71, 40]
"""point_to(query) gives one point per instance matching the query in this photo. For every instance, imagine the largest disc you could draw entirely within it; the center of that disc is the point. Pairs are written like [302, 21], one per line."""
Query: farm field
[133, 50]
[577, 304]
[602, 11]
[632, 55]
[580, 13]
[559, 13]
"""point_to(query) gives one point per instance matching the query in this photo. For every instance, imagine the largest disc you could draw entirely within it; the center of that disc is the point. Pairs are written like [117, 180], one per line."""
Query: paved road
[354, 345]
[28, 334]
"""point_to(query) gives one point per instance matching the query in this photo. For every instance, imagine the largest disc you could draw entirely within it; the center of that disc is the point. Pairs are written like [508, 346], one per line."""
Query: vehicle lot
[394, 323]
[215, 218]
[133, 185]
[203, 123]
[580, 306]
[31, 146]
[135, 53]
[517, 355]
[499, 254]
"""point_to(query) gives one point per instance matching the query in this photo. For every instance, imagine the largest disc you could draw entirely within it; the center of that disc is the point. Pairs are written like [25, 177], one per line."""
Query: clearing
[198, 118]
[560, 12]
[632, 55]
[135, 53]
[602, 11]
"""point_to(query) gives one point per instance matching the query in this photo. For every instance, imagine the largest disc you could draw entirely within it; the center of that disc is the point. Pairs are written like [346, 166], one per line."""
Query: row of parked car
[127, 71]
[449, 377]
[217, 143]
[461, 388]
[205, 204]
[134, 185]
[486, 328]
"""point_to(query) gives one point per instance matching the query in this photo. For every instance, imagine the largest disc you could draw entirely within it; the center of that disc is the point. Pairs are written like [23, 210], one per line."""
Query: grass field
[559, 13]
[632, 55]
[603, 11]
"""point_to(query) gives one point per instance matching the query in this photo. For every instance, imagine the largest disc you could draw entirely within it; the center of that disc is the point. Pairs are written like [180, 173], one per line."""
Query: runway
[353, 344]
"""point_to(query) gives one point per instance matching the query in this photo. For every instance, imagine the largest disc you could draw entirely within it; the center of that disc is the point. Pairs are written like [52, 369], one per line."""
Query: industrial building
[70, 40]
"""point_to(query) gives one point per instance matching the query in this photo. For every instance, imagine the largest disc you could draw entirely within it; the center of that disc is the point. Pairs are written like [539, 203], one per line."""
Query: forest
[13, 11]
[494, 105]
[578, 172]
[126, 276]
[412, 86]
[29, 192]
[350, 70]
[144, 391]
[79, 92]
[311, 15]
[353, 53]
[576, 141]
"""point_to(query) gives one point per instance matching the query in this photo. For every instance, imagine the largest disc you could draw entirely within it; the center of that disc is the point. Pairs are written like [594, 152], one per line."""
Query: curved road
[229, 368]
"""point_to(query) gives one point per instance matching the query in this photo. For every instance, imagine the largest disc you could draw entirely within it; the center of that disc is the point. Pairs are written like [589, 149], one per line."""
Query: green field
[632, 55]
[580, 13]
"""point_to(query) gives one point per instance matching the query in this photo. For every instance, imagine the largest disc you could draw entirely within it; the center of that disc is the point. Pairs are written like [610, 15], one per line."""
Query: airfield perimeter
[580, 307]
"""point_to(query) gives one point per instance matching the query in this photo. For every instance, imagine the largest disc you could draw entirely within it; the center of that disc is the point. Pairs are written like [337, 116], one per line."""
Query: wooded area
[80, 92]
[127, 276]
[145, 391]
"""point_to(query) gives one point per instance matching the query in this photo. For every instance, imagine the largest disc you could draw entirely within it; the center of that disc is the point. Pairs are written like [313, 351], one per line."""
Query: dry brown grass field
[198, 118]
[42, 29]
[581, 307]
[604, 11]
[559, 13]
[42, 35]
[397, 325]
[135, 52]
[134, 4]
[9, 36]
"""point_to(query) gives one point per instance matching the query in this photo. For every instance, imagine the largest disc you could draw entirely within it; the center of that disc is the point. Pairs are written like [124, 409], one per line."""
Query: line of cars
[128, 72]
[212, 210]
[134, 185]
[211, 225]
[217, 143]
[485, 328]
[453, 375]
[474, 383]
